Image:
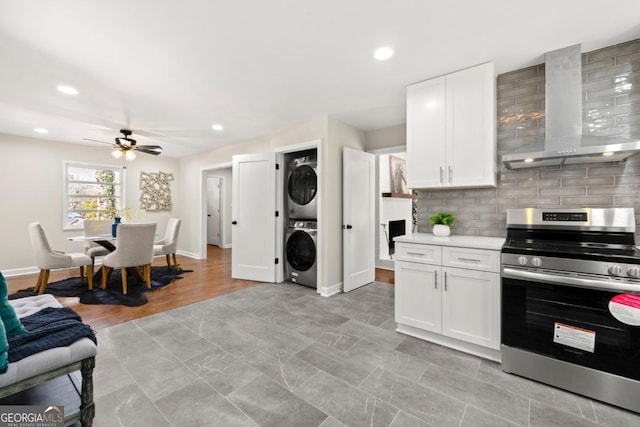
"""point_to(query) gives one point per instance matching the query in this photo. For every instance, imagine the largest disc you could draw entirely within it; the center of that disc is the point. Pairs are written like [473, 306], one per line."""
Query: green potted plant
[441, 222]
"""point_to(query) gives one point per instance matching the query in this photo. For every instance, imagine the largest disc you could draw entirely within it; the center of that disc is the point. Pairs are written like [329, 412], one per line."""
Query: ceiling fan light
[116, 153]
[130, 155]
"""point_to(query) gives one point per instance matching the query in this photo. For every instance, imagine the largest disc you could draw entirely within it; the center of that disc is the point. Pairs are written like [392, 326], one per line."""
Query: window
[91, 192]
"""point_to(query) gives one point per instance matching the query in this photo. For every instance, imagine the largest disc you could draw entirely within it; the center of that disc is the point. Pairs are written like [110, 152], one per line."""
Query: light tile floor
[280, 355]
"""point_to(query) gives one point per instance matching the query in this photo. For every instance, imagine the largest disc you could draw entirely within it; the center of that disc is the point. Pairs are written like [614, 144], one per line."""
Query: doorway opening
[394, 203]
[215, 189]
[215, 207]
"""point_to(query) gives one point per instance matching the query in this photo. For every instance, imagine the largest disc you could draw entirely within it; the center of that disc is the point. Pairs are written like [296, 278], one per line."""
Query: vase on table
[114, 226]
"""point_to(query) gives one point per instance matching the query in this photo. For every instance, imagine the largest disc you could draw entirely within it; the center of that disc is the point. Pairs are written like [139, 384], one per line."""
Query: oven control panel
[572, 266]
[564, 216]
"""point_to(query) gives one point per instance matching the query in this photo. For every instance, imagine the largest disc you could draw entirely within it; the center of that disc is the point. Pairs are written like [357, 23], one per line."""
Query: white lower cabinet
[418, 301]
[456, 306]
[471, 306]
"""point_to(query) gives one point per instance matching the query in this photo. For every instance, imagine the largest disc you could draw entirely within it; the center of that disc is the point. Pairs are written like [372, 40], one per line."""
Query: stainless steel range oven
[571, 301]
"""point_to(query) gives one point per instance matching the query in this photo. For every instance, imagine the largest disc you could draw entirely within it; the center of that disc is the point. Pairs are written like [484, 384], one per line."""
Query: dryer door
[302, 185]
[301, 251]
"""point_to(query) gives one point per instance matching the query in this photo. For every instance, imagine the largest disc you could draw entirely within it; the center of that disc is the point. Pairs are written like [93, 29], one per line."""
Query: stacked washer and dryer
[302, 209]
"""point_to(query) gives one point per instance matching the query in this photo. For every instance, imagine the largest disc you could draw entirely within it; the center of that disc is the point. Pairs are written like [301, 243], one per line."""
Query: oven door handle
[577, 282]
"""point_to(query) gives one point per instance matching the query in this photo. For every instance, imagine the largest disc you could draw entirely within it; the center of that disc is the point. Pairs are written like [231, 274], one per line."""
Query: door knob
[234, 222]
[208, 214]
[349, 227]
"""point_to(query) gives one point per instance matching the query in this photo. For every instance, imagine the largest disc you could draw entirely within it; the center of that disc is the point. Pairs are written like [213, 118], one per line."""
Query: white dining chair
[169, 243]
[134, 249]
[48, 259]
[94, 227]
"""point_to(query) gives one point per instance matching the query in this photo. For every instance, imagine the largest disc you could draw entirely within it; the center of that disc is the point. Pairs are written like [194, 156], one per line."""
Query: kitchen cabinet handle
[415, 253]
[441, 175]
[445, 280]
[450, 174]
[469, 259]
[436, 279]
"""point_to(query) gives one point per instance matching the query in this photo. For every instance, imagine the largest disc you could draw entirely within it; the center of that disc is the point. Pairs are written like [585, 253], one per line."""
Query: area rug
[112, 294]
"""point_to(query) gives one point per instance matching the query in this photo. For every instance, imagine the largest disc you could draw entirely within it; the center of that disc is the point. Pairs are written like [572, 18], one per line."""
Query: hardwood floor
[385, 276]
[210, 278]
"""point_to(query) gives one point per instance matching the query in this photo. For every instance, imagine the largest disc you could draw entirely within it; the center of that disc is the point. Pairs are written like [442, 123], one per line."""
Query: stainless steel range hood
[564, 142]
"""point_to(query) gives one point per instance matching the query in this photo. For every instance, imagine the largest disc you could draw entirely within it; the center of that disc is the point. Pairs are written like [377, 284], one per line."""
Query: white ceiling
[169, 69]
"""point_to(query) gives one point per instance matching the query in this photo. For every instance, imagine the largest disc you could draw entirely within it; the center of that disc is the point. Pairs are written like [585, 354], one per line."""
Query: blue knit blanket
[48, 328]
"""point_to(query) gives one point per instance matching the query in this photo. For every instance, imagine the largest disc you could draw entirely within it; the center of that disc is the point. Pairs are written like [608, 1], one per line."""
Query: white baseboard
[32, 270]
[21, 271]
[327, 291]
[188, 254]
[466, 347]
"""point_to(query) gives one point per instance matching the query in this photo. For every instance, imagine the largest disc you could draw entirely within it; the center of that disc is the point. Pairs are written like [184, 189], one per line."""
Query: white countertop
[478, 242]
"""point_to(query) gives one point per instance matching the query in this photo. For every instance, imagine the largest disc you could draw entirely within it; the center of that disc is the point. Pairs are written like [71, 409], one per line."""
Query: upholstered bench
[52, 363]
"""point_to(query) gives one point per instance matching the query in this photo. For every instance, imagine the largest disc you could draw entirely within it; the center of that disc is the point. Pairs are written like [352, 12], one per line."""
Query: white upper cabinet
[451, 130]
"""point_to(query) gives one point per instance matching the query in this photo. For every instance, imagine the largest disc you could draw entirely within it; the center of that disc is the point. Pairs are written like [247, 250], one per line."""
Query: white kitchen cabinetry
[451, 130]
[418, 299]
[450, 294]
[471, 306]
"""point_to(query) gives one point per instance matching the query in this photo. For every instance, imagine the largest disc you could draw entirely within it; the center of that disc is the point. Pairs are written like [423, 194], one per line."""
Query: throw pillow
[11, 323]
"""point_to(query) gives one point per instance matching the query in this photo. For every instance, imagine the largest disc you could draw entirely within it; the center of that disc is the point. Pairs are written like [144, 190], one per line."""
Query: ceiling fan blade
[150, 149]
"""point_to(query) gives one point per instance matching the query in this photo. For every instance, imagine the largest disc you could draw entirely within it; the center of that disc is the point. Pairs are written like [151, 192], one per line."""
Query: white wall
[31, 190]
[191, 170]
[393, 136]
[333, 135]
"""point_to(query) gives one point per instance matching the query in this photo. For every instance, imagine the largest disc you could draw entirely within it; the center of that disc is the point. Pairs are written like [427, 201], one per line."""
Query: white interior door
[358, 218]
[253, 217]
[213, 210]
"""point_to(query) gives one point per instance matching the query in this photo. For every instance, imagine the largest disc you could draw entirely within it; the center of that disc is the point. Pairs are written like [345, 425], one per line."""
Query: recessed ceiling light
[383, 53]
[528, 160]
[607, 153]
[68, 90]
[218, 127]
[40, 130]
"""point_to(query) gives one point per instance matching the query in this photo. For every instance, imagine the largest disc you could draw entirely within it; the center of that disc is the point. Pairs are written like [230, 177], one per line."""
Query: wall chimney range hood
[564, 143]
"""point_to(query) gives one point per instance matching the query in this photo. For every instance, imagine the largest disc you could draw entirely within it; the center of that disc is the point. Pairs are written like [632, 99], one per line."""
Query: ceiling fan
[128, 146]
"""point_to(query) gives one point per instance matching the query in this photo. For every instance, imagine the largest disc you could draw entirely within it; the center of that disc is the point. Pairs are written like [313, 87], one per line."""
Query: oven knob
[615, 270]
[522, 260]
[634, 272]
[536, 262]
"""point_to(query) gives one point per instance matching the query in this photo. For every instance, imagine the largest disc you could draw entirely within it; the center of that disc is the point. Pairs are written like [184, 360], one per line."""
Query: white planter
[441, 230]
